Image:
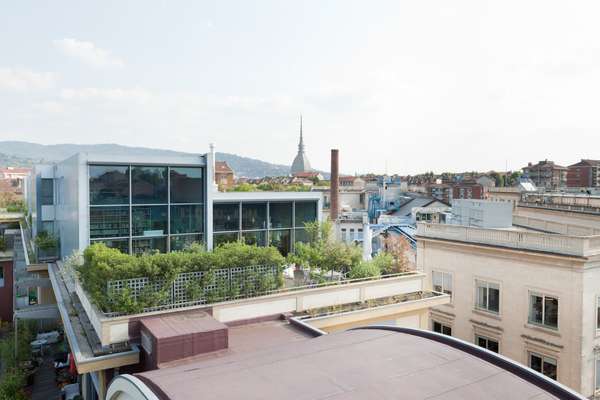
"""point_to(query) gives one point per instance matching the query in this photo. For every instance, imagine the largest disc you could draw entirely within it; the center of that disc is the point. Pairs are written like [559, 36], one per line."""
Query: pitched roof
[222, 167]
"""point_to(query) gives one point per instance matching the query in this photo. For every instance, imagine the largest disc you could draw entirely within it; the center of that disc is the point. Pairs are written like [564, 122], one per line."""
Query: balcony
[581, 246]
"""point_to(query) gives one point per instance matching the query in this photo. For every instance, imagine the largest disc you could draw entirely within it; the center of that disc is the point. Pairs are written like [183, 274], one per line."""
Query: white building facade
[530, 296]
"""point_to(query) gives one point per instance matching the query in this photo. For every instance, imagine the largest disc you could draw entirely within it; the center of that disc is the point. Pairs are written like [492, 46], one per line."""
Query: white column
[367, 242]
[211, 187]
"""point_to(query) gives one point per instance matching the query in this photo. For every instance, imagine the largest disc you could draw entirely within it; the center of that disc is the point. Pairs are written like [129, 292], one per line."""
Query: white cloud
[88, 53]
[134, 95]
[22, 79]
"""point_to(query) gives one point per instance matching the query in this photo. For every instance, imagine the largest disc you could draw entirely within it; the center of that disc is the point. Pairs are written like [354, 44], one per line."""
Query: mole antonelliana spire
[300, 163]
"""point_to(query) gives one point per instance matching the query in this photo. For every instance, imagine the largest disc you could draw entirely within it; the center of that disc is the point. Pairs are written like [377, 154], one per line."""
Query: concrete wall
[518, 273]
[482, 213]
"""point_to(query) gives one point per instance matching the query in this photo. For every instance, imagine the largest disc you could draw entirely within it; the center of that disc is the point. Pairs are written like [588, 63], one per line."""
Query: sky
[398, 86]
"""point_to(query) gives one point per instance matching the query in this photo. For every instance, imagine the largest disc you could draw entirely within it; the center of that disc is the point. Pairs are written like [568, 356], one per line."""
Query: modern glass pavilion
[138, 203]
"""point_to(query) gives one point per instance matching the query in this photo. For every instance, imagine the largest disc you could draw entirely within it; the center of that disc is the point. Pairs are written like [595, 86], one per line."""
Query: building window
[181, 242]
[487, 296]
[487, 343]
[119, 244]
[226, 217]
[149, 185]
[109, 184]
[149, 220]
[442, 282]
[1, 275]
[442, 328]
[344, 237]
[149, 245]
[254, 216]
[542, 364]
[280, 215]
[543, 310]
[186, 185]
[282, 240]
[108, 222]
[305, 211]
[186, 219]
[222, 238]
[47, 192]
[255, 238]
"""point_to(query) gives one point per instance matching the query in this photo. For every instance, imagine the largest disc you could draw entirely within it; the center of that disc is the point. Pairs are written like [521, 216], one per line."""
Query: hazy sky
[417, 85]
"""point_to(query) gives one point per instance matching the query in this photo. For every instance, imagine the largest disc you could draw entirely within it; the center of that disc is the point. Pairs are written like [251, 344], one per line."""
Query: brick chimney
[335, 190]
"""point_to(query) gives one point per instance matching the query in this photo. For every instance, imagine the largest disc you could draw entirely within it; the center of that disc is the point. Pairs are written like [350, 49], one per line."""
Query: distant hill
[15, 153]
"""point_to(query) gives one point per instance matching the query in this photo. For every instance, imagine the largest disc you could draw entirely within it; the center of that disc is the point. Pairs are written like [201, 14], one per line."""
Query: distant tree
[397, 247]
[244, 187]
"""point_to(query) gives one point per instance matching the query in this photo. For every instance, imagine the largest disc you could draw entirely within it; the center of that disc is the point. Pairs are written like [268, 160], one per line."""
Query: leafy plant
[2, 243]
[46, 241]
[102, 264]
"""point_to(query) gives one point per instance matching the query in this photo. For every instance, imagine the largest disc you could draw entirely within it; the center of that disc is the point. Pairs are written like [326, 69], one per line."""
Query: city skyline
[382, 84]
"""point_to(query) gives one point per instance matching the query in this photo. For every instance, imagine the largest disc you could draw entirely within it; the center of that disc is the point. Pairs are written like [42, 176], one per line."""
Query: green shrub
[46, 241]
[365, 269]
[2, 243]
[102, 264]
[11, 386]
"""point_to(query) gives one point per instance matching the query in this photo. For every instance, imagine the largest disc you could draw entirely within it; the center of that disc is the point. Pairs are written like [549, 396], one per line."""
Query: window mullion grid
[168, 244]
[130, 213]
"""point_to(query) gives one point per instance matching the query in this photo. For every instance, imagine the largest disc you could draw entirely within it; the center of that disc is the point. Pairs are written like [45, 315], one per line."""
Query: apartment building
[584, 174]
[533, 297]
[546, 174]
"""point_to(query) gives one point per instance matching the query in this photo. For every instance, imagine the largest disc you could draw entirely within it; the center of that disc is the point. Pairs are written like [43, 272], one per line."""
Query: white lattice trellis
[218, 285]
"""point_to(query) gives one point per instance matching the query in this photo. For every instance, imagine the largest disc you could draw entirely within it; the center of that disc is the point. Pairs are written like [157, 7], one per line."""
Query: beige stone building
[530, 296]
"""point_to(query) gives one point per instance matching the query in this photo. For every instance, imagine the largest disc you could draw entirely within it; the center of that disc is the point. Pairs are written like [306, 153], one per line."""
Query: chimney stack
[335, 190]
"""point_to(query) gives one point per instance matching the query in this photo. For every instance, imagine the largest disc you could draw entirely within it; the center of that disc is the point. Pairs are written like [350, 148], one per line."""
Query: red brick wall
[579, 176]
[6, 291]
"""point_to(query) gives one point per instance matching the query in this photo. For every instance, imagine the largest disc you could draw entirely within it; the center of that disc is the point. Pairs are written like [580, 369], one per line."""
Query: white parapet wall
[117, 329]
[560, 244]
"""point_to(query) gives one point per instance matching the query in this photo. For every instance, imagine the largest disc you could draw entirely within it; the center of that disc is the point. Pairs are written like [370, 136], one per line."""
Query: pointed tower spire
[300, 163]
[301, 144]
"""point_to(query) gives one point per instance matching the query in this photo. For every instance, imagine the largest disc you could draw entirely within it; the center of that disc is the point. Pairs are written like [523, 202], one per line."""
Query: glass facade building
[137, 208]
[276, 223]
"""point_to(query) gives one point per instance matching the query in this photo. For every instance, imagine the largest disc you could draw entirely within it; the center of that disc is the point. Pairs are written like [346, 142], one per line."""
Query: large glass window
[280, 215]
[301, 236]
[487, 296]
[186, 185]
[109, 184]
[543, 310]
[186, 219]
[226, 217]
[144, 245]
[487, 343]
[306, 211]
[120, 244]
[257, 238]
[149, 220]
[282, 240]
[254, 216]
[47, 192]
[442, 282]
[149, 185]
[222, 238]
[543, 364]
[182, 241]
[107, 222]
